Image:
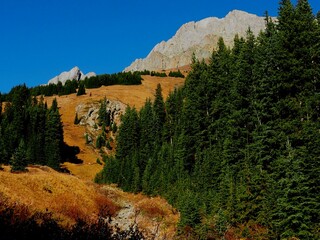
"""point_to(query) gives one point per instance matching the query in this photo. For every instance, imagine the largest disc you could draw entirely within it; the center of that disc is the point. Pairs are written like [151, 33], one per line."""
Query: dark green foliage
[108, 145]
[238, 145]
[121, 78]
[69, 87]
[81, 89]
[99, 161]
[114, 127]
[19, 158]
[158, 74]
[104, 114]
[176, 74]
[31, 133]
[129, 132]
[53, 137]
[55, 89]
[159, 114]
[101, 141]
[144, 72]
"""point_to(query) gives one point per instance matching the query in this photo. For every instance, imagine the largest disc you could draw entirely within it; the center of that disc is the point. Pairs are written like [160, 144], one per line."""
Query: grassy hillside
[69, 197]
[135, 95]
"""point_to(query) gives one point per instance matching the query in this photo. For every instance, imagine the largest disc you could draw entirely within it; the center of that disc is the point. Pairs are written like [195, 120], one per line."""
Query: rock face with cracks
[199, 38]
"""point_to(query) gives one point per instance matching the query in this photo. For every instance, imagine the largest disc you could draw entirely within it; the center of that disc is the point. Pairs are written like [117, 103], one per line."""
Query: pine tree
[19, 159]
[54, 137]
[239, 144]
[81, 89]
[147, 134]
[104, 114]
[195, 107]
[128, 134]
[159, 114]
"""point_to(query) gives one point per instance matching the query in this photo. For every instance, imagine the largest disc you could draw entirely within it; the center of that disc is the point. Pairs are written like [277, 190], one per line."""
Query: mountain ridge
[73, 74]
[200, 38]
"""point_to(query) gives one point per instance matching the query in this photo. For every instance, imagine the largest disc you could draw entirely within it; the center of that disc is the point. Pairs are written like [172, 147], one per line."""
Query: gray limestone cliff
[199, 38]
[73, 74]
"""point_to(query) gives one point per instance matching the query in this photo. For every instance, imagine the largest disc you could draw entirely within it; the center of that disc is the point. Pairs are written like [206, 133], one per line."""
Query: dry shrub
[153, 211]
[18, 212]
[152, 208]
[66, 205]
[106, 206]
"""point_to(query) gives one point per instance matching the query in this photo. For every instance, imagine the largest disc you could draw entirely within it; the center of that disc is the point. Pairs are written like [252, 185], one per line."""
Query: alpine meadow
[226, 147]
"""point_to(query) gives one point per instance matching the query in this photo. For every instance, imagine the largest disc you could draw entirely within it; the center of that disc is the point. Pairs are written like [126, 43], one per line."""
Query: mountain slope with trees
[46, 196]
[31, 133]
[236, 149]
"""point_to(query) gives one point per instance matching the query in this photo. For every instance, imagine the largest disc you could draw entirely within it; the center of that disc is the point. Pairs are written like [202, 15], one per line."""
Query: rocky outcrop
[88, 113]
[199, 38]
[73, 74]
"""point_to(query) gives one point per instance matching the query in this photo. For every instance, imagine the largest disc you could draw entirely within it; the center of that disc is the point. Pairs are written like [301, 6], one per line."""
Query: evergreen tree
[128, 134]
[19, 159]
[81, 89]
[104, 114]
[147, 134]
[237, 146]
[159, 114]
[54, 137]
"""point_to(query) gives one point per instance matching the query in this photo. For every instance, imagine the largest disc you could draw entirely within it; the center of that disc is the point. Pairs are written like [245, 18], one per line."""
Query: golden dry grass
[135, 95]
[42, 189]
[45, 190]
[70, 197]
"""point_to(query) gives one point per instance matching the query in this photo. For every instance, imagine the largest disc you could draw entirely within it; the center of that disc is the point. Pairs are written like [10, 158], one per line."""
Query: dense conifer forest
[237, 148]
[31, 133]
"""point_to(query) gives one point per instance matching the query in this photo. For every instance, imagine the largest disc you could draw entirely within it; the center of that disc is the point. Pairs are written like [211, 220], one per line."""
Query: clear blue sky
[41, 38]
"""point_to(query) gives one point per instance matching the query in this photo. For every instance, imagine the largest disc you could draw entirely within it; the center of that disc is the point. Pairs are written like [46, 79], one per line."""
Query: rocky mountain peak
[74, 74]
[199, 38]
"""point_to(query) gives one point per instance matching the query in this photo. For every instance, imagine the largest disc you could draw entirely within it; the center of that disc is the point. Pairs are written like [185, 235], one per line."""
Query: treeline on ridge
[236, 150]
[176, 74]
[71, 86]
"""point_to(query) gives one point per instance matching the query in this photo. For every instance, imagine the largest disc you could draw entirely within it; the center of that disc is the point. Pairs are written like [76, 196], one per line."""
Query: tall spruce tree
[53, 137]
[81, 89]
[19, 159]
[159, 114]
